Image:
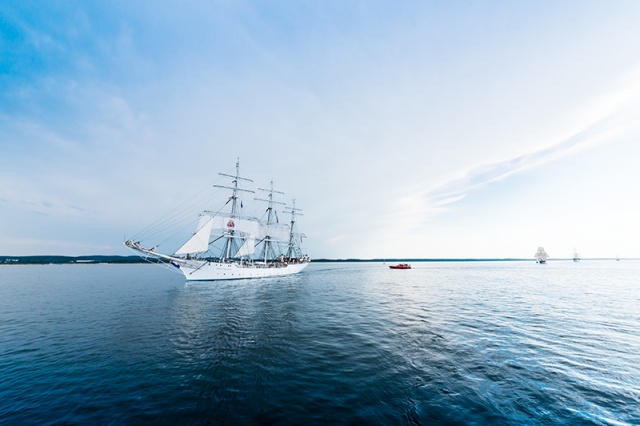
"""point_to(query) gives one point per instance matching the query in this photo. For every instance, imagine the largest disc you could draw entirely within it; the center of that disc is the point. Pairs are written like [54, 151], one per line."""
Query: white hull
[213, 271]
[202, 270]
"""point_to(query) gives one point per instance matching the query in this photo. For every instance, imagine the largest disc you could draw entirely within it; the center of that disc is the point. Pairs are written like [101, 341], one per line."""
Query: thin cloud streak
[454, 190]
[414, 212]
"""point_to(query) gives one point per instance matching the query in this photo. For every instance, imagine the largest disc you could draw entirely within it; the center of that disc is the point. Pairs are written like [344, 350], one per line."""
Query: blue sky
[426, 129]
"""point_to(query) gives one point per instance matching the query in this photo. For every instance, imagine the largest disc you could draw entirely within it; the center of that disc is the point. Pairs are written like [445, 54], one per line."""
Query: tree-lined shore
[95, 259]
[49, 259]
[59, 260]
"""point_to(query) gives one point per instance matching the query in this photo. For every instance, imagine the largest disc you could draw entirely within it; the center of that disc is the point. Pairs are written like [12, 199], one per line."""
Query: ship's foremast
[234, 204]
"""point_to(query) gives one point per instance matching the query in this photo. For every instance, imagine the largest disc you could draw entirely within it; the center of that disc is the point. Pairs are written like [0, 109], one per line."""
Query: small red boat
[400, 266]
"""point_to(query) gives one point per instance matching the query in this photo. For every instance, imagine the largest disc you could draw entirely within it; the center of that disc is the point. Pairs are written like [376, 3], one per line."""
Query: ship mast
[234, 201]
[291, 249]
[270, 216]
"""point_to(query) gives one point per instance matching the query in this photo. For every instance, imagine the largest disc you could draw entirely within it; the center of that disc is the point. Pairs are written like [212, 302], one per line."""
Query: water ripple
[444, 343]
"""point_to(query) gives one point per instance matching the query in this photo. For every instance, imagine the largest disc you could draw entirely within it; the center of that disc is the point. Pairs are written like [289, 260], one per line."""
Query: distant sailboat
[576, 256]
[541, 255]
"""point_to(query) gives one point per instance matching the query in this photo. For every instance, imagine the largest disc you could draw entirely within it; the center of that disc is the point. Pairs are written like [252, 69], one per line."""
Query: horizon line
[7, 259]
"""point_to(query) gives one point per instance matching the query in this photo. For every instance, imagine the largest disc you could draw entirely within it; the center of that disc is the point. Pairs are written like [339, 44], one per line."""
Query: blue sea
[445, 343]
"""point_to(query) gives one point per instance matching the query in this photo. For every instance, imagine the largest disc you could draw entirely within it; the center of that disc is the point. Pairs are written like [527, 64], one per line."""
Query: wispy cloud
[42, 207]
[456, 189]
[421, 207]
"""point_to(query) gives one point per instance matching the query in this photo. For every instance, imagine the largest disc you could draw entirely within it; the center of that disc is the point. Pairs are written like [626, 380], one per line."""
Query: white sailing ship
[541, 255]
[229, 245]
[576, 255]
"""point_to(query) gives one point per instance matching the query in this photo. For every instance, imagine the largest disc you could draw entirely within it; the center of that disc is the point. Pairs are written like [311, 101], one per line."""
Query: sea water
[359, 343]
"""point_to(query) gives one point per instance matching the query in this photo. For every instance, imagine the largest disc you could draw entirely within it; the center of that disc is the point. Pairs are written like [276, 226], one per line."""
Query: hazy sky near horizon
[411, 129]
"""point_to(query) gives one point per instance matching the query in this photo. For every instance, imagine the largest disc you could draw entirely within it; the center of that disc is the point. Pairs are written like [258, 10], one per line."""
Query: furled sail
[199, 242]
[247, 248]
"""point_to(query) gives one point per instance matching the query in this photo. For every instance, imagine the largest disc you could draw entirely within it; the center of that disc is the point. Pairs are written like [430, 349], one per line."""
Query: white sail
[199, 242]
[247, 248]
[274, 231]
[251, 227]
[228, 223]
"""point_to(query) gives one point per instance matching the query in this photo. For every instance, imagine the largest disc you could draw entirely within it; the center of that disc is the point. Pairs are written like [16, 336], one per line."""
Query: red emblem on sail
[231, 224]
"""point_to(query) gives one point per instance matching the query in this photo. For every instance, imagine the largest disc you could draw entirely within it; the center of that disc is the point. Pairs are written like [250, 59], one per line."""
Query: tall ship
[576, 255]
[541, 255]
[227, 244]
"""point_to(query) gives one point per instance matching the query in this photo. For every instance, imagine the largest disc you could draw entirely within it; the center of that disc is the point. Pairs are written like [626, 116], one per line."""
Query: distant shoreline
[83, 260]
[60, 260]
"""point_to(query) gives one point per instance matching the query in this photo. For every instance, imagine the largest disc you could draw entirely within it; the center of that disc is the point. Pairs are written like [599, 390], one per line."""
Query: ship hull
[214, 271]
[206, 270]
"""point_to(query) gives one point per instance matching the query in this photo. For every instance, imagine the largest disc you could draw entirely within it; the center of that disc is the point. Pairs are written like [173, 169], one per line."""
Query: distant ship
[400, 266]
[228, 245]
[576, 256]
[541, 255]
